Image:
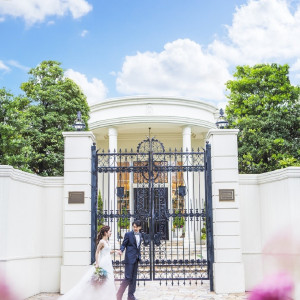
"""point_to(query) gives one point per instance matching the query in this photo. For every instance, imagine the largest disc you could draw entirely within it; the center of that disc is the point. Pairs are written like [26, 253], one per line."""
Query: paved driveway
[153, 291]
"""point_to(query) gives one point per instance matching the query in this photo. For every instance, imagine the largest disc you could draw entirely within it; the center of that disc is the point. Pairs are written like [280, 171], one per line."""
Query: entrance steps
[176, 251]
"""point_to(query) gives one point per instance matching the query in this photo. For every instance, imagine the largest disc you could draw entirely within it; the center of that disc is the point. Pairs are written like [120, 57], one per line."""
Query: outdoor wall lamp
[182, 190]
[78, 124]
[221, 122]
[120, 191]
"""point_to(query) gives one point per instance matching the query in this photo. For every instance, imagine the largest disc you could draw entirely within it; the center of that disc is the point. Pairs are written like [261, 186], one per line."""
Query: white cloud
[4, 66]
[261, 31]
[83, 33]
[95, 90]
[181, 69]
[36, 10]
[18, 65]
[2, 19]
[222, 105]
[296, 65]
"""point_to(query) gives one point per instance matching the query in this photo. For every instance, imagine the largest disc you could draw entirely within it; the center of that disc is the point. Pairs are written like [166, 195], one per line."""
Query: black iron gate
[170, 193]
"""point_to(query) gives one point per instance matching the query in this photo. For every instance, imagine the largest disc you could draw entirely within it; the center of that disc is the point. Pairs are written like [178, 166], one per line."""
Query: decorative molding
[144, 100]
[245, 179]
[277, 175]
[151, 119]
[10, 172]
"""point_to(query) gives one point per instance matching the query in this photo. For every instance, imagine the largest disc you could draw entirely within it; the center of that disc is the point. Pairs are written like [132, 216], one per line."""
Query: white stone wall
[270, 211]
[30, 230]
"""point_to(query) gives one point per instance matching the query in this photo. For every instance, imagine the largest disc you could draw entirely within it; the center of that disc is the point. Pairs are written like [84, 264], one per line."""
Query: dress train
[85, 290]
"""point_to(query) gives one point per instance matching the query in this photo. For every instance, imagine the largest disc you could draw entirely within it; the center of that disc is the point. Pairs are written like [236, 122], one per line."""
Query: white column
[188, 176]
[188, 181]
[113, 180]
[113, 139]
[76, 216]
[187, 138]
[228, 268]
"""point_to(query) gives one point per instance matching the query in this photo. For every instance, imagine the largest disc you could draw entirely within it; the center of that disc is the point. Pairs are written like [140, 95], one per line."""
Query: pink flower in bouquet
[5, 291]
[275, 287]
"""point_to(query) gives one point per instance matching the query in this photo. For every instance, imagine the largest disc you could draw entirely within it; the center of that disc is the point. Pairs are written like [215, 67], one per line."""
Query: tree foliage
[14, 149]
[48, 108]
[265, 107]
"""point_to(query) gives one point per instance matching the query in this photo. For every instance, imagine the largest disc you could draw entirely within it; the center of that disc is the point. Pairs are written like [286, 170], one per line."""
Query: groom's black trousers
[130, 279]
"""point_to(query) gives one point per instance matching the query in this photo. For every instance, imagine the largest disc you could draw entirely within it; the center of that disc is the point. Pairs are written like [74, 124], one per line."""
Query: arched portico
[170, 120]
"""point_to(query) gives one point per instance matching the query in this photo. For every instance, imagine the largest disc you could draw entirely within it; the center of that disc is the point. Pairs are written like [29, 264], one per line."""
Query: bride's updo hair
[102, 232]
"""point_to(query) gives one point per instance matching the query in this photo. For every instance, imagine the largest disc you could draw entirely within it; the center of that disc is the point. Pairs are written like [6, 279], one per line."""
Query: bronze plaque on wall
[76, 197]
[226, 195]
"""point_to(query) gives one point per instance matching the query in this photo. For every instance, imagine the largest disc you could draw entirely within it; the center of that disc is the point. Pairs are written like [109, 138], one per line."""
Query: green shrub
[203, 232]
[178, 222]
[100, 222]
[124, 222]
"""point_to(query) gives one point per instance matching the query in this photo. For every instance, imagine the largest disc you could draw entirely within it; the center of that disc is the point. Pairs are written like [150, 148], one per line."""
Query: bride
[85, 289]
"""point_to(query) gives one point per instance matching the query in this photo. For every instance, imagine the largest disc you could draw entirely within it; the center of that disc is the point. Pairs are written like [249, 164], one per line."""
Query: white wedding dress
[84, 290]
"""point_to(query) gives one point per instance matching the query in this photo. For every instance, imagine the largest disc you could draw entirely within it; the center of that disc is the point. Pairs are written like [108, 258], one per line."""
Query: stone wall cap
[221, 132]
[18, 175]
[272, 176]
[79, 134]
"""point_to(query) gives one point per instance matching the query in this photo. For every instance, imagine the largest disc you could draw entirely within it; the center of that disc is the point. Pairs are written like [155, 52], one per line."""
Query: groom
[132, 244]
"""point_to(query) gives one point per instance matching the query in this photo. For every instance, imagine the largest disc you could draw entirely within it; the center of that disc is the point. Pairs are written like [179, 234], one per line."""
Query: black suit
[132, 257]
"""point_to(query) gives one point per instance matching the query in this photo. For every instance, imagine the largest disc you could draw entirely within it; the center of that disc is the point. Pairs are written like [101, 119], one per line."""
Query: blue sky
[147, 47]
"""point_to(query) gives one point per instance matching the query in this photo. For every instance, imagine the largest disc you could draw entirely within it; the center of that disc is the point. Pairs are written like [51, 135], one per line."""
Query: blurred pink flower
[5, 291]
[275, 287]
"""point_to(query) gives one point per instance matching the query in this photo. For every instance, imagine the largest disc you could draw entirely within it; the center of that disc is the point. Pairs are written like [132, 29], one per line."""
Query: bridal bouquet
[99, 276]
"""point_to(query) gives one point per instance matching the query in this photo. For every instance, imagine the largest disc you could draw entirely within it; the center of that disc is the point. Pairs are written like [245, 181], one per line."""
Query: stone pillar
[228, 269]
[113, 180]
[76, 216]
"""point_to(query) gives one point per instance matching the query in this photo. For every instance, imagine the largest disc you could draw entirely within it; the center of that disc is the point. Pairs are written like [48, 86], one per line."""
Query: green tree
[54, 101]
[265, 107]
[14, 149]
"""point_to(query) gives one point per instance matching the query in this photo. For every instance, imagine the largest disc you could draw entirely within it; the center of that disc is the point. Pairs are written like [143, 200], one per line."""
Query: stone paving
[153, 291]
